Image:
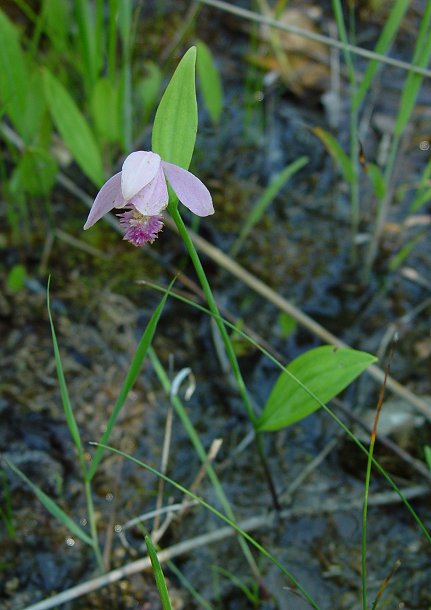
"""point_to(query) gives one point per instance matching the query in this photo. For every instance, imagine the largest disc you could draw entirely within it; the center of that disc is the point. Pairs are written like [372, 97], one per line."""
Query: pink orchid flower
[141, 189]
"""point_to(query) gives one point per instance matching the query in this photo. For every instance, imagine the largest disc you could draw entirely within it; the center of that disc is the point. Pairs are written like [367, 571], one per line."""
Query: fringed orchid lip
[141, 188]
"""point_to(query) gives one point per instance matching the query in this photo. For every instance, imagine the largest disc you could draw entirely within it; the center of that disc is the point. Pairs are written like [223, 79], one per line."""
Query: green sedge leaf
[73, 128]
[158, 575]
[209, 82]
[52, 507]
[13, 75]
[337, 153]
[105, 110]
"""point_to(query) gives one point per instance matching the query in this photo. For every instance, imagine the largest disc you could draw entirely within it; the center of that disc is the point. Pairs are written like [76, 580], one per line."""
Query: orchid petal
[190, 190]
[138, 170]
[107, 198]
[154, 197]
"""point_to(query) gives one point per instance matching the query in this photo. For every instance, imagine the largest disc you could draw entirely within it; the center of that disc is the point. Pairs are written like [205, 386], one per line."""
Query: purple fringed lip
[140, 229]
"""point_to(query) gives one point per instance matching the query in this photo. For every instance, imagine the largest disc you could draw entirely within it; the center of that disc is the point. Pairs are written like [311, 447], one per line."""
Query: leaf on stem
[309, 382]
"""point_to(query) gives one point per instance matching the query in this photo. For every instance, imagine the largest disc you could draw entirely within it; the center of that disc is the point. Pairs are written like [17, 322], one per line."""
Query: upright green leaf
[35, 111]
[67, 405]
[105, 110]
[337, 153]
[73, 128]
[310, 381]
[131, 377]
[377, 180]
[384, 42]
[149, 88]
[88, 41]
[56, 20]
[158, 575]
[209, 81]
[13, 74]
[421, 58]
[176, 122]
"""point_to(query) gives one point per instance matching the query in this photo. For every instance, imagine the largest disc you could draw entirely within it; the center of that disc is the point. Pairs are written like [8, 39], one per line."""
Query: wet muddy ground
[301, 248]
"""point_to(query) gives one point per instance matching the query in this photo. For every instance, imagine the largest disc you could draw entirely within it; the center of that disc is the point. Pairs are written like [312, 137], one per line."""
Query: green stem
[382, 205]
[364, 525]
[265, 465]
[214, 309]
[354, 140]
[92, 522]
[227, 343]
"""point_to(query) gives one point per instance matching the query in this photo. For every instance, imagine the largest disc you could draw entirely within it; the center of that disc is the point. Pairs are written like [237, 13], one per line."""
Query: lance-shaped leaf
[309, 382]
[13, 74]
[176, 121]
[73, 128]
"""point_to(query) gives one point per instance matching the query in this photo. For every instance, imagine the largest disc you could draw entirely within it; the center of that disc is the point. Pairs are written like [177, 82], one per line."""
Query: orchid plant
[141, 190]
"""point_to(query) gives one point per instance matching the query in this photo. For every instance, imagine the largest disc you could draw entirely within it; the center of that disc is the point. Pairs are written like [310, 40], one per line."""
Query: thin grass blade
[337, 153]
[158, 575]
[52, 507]
[67, 406]
[421, 58]
[265, 201]
[132, 375]
[209, 81]
[13, 74]
[384, 42]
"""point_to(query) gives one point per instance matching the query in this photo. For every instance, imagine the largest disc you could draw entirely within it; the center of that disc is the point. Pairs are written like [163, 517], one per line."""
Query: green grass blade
[88, 42]
[187, 586]
[265, 201]
[52, 507]
[377, 180]
[73, 128]
[13, 74]
[420, 200]
[209, 81]
[112, 38]
[384, 42]
[126, 104]
[132, 375]
[67, 406]
[105, 110]
[56, 22]
[423, 192]
[337, 153]
[413, 82]
[220, 515]
[158, 575]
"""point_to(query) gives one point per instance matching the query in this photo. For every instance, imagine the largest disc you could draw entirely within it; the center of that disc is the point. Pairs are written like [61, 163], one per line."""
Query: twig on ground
[331, 42]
